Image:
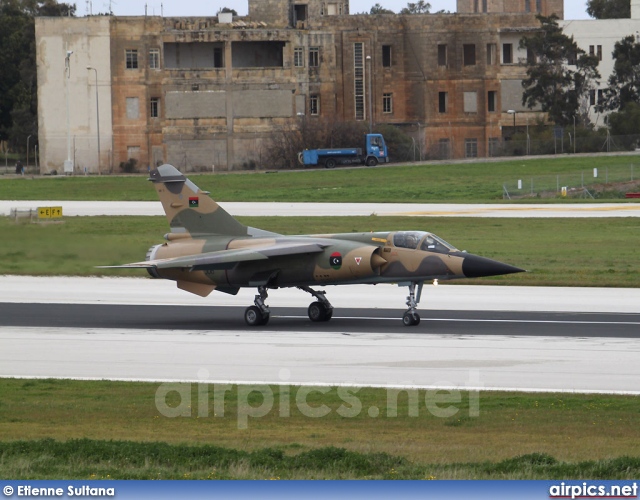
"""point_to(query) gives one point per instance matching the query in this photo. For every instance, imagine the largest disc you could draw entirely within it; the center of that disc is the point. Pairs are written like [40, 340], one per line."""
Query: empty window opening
[386, 56]
[443, 101]
[492, 97]
[442, 55]
[469, 54]
[257, 54]
[507, 53]
[194, 55]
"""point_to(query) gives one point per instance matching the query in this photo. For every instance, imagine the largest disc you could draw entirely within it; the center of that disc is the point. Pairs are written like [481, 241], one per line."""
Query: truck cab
[376, 150]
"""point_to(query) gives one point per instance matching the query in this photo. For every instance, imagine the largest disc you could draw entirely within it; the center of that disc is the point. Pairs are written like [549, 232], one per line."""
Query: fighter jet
[207, 249]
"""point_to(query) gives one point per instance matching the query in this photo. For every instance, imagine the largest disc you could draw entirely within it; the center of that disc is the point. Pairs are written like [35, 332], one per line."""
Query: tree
[551, 83]
[609, 9]
[379, 9]
[420, 7]
[626, 125]
[18, 86]
[624, 82]
[227, 10]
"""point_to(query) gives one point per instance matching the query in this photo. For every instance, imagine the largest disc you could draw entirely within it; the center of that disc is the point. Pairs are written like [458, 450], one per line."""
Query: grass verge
[479, 182]
[557, 252]
[115, 430]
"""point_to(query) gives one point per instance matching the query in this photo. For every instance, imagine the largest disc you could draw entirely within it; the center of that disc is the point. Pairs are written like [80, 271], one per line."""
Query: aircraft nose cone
[475, 266]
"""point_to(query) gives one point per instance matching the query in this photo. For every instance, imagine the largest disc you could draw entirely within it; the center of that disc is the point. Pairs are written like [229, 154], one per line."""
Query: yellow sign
[49, 212]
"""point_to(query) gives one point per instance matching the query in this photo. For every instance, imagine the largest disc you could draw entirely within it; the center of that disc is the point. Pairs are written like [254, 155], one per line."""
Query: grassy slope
[567, 252]
[554, 432]
[461, 183]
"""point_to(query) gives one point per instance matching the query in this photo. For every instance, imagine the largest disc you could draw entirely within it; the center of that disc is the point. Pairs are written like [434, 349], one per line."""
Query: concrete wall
[89, 40]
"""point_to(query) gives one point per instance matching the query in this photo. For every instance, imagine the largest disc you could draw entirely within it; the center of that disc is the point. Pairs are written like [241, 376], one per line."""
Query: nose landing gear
[411, 316]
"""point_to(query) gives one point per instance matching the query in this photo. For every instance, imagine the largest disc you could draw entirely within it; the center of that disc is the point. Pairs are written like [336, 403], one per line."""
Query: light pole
[27, 165]
[370, 100]
[68, 164]
[513, 112]
[97, 114]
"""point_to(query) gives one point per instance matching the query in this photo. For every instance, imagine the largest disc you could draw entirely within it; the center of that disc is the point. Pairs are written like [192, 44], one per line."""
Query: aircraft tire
[253, 316]
[410, 319]
[318, 312]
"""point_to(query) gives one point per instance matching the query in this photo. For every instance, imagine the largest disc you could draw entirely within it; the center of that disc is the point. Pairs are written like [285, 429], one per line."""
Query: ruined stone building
[204, 93]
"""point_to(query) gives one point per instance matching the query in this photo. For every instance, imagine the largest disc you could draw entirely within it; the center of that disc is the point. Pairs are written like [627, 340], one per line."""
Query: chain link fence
[614, 181]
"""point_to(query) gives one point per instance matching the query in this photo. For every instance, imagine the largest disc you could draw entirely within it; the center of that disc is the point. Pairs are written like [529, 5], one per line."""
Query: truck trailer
[375, 151]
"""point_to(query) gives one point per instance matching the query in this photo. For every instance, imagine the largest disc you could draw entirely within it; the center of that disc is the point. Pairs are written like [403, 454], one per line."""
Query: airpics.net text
[205, 398]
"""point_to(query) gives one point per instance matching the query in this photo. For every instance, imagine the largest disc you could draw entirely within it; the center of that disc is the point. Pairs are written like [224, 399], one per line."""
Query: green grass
[557, 252]
[92, 430]
[478, 182]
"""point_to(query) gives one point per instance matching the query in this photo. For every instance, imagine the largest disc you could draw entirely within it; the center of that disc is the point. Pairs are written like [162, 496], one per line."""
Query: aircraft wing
[225, 259]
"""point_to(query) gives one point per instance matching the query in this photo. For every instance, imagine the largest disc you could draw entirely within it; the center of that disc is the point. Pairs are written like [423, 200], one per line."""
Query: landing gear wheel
[254, 316]
[330, 163]
[319, 312]
[372, 161]
[410, 319]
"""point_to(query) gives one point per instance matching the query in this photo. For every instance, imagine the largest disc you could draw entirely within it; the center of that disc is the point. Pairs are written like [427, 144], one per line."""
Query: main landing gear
[411, 316]
[259, 314]
[322, 310]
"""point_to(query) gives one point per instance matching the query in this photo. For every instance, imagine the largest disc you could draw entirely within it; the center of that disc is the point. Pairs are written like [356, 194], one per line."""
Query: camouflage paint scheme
[207, 249]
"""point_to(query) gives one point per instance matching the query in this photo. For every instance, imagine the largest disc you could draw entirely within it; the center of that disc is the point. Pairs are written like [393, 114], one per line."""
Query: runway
[113, 329]
[507, 210]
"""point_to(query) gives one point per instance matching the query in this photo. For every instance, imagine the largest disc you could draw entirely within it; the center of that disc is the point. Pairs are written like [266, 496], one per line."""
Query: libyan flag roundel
[193, 202]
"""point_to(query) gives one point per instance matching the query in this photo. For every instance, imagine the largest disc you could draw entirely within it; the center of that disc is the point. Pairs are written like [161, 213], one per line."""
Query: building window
[470, 102]
[492, 97]
[154, 59]
[600, 96]
[133, 152]
[314, 57]
[507, 53]
[218, 57]
[444, 149]
[494, 146]
[476, 7]
[131, 56]
[387, 103]
[592, 97]
[527, 5]
[358, 80]
[154, 107]
[443, 99]
[133, 108]
[298, 57]
[538, 5]
[471, 148]
[386, 56]
[314, 105]
[599, 52]
[469, 54]
[492, 49]
[484, 6]
[442, 55]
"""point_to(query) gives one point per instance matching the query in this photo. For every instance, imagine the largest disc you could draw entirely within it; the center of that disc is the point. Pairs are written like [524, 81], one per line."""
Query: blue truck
[375, 151]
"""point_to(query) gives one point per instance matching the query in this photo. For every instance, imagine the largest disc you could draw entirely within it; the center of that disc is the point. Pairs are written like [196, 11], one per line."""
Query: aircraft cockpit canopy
[428, 242]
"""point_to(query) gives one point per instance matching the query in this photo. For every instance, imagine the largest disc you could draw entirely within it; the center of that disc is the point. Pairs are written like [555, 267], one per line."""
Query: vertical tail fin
[188, 208]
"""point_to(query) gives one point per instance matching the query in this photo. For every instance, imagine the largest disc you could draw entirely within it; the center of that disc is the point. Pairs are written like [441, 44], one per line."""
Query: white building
[599, 37]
